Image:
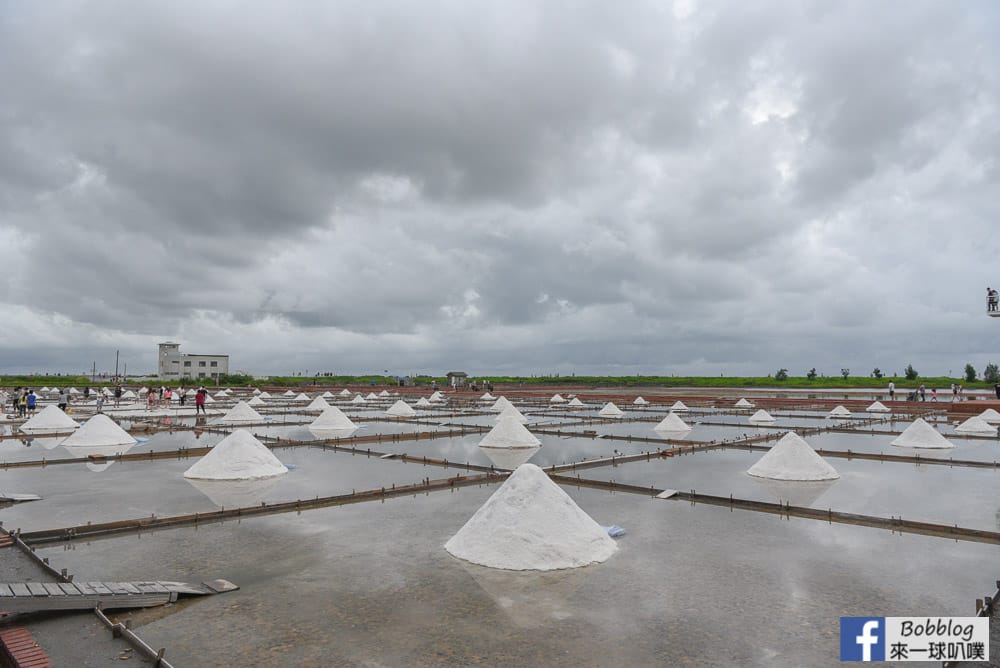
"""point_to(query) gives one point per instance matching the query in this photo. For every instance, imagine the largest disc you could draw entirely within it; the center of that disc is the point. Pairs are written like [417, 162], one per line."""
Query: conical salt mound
[288, 393]
[743, 403]
[678, 407]
[255, 391]
[423, 402]
[557, 399]
[976, 425]
[672, 423]
[610, 410]
[839, 411]
[318, 404]
[129, 395]
[332, 418]
[761, 416]
[358, 399]
[530, 523]
[878, 407]
[208, 399]
[73, 390]
[238, 456]
[191, 392]
[220, 394]
[791, 458]
[264, 395]
[509, 432]
[639, 401]
[99, 430]
[345, 392]
[401, 409]
[383, 393]
[301, 396]
[256, 401]
[512, 412]
[371, 396]
[500, 404]
[241, 413]
[50, 420]
[921, 435]
[576, 403]
[437, 396]
[327, 395]
[990, 416]
[487, 397]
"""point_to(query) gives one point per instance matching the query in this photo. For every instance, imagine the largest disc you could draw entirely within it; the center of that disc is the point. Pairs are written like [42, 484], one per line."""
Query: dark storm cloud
[697, 187]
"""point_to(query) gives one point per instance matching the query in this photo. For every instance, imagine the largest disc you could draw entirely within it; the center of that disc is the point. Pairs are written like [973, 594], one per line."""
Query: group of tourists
[920, 394]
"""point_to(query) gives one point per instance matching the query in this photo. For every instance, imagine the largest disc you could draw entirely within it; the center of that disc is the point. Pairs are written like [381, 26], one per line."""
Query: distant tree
[781, 374]
[970, 373]
[991, 373]
[845, 373]
[910, 373]
[812, 374]
[877, 373]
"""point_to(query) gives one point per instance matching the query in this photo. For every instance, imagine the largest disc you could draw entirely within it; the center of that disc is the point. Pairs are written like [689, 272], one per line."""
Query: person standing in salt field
[150, 399]
[32, 402]
[199, 401]
[166, 397]
[923, 392]
[63, 399]
[22, 404]
[100, 402]
[3, 400]
[118, 395]
[892, 390]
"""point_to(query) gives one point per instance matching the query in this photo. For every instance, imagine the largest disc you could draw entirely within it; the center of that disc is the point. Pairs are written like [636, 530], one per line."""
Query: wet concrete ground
[370, 584]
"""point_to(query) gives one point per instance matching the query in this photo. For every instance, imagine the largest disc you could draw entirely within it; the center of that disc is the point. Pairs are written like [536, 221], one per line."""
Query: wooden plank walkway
[22, 597]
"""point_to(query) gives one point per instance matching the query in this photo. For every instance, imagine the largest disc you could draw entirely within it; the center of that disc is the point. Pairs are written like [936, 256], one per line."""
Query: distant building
[173, 364]
[457, 378]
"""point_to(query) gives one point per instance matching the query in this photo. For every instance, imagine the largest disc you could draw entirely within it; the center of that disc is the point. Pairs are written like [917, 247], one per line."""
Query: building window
[185, 363]
[214, 364]
[174, 362]
[201, 364]
[201, 375]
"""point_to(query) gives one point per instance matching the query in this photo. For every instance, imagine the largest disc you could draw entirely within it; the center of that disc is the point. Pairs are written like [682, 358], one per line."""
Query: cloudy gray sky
[523, 187]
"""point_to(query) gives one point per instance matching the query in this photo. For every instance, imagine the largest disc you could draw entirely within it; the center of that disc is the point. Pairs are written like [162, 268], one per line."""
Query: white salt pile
[576, 403]
[678, 407]
[345, 392]
[509, 432]
[220, 394]
[191, 393]
[423, 402]
[512, 412]
[500, 404]
[743, 403]
[241, 413]
[318, 404]
[487, 397]
[839, 411]
[530, 523]
[878, 407]
[301, 396]
[639, 401]
[792, 458]
[255, 391]
[437, 396]
[288, 393]
[672, 423]
[976, 425]
[358, 399]
[401, 409]
[99, 430]
[557, 399]
[383, 393]
[760, 416]
[332, 418]
[990, 415]
[921, 435]
[129, 395]
[256, 401]
[610, 411]
[327, 395]
[238, 456]
[371, 396]
[50, 420]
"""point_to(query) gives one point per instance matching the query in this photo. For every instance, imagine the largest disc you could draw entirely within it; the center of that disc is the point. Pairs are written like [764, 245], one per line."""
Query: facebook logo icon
[862, 638]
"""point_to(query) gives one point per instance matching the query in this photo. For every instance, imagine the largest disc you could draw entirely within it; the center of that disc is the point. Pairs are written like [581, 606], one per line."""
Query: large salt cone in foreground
[239, 456]
[100, 431]
[530, 523]
[976, 425]
[672, 423]
[792, 458]
[332, 418]
[610, 411]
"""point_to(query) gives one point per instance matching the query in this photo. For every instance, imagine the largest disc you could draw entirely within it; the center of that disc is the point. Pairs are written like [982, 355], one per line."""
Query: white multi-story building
[174, 365]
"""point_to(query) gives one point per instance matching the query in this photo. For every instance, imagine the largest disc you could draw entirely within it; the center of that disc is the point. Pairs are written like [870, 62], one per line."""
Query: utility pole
[116, 366]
